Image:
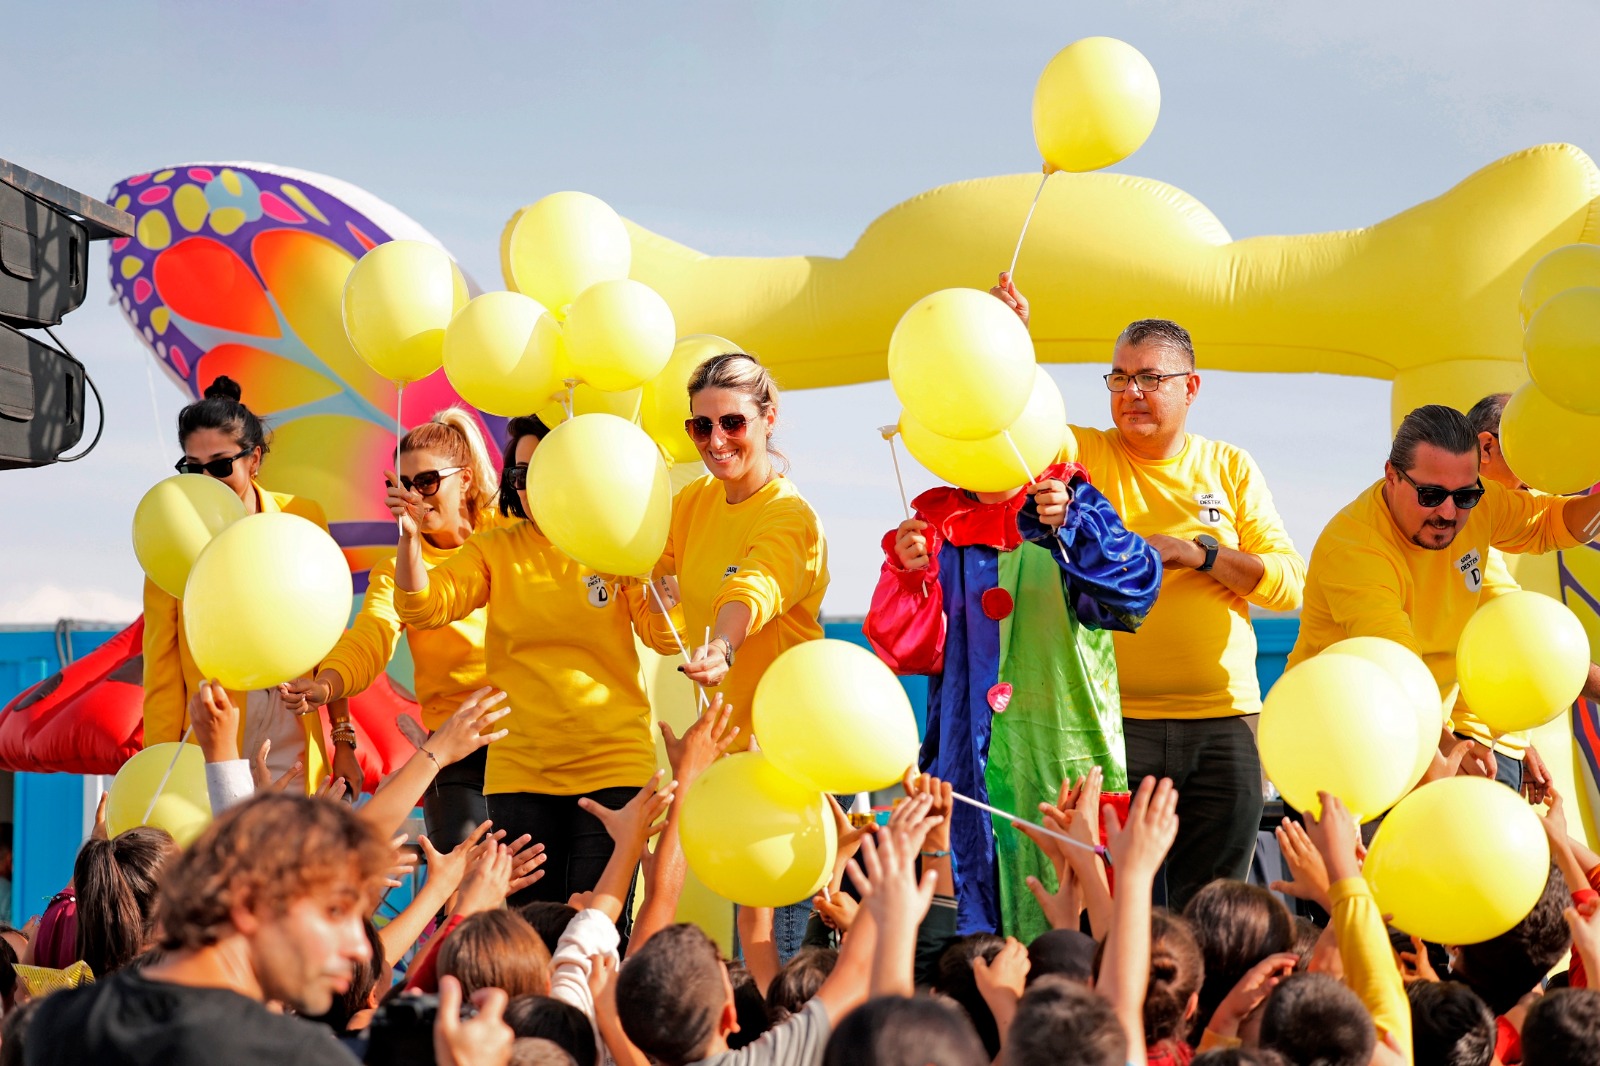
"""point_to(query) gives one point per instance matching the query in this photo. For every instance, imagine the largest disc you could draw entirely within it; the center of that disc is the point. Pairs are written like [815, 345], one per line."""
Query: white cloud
[49, 603]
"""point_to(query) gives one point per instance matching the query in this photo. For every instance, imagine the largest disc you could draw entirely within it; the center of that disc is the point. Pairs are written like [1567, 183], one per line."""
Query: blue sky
[761, 129]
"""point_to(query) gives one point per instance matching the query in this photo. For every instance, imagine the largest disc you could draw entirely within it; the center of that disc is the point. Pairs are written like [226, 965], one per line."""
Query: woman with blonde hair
[447, 466]
[224, 439]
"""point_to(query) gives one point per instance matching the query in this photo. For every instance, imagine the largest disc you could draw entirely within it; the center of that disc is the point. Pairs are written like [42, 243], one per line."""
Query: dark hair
[1237, 926]
[1450, 1026]
[671, 994]
[1443, 427]
[221, 408]
[14, 1032]
[265, 854]
[1160, 332]
[1485, 414]
[1176, 971]
[363, 979]
[1306, 935]
[118, 882]
[1060, 1023]
[954, 978]
[799, 980]
[749, 1007]
[1506, 968]
[904, 1031]
[519, 427]
[549, 919]
[558, 1022]
[496, 949]
[8, 973]
[1311, 1018]
[1238, 1056]
[1065, 952]
[539, 1051]
[1562, 1029]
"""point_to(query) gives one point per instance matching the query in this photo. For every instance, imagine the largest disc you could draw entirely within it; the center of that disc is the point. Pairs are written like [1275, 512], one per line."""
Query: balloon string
[572, 383]
[1098, 849]
[399, 435]
[1023, 463]
[700, 699]
[148, 811]
[638, 406]
[894, 455]
[1018, 250]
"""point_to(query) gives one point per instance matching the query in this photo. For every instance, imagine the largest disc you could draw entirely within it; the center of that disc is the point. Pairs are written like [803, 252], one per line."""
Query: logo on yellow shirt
[730, 571]
[1471, 567]
[599, 591]
[1211, 504]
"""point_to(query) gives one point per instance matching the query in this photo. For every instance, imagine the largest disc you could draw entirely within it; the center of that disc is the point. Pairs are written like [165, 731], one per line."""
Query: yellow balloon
[1522, 660]
[1339, 724]
[600, 492]
[756, 835]
[588, 400]
[183, 808]
[266, 600]
[398, 300]
[619, 334]
[1562, 345]
[831, 714]
[565, 243]
[962, 364]
[665, 405]
[1416, 682]
[495, 358]
[1550, 447]
[1458, 861]
[1572, 266]
[1095, 104]
[991, 465]
[175, 520]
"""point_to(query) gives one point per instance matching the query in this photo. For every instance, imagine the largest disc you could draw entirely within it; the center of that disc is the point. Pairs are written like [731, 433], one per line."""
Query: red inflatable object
[89, 717]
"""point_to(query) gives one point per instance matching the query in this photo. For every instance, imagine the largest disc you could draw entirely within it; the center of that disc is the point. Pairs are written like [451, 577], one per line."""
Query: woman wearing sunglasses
[449, 481]
[559, 641]
[224, 439]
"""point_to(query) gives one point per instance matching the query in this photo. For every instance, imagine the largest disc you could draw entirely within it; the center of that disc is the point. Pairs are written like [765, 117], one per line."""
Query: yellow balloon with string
[1001, 462]
[397, 302]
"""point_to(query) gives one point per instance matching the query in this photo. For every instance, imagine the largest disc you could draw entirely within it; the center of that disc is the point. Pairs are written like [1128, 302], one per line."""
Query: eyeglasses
[426, 482]
[700, 427]
[1145, 382]
[217, 468]
[517, 474]
[1435, 495]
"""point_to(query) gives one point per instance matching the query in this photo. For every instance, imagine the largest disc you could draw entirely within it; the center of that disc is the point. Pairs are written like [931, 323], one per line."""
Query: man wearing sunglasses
[1187, 677]
[1409, 559]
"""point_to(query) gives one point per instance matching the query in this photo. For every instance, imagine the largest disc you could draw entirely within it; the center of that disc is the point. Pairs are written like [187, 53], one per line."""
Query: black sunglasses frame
[700, 427]
[517, 476]
[1464, 499]
[415, 484]
[217, 468]
[1133, 379]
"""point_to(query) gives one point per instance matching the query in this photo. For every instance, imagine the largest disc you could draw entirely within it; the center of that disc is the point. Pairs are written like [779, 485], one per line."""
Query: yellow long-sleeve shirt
[558, 640]
[1195, 654]
[766, 552]
[171, 677]
[1368, 579]
[449, 660]
[1369, 966]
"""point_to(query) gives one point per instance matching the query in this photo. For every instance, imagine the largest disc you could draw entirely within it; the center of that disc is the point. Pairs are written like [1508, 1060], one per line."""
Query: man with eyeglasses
[1188, 676]
[1410, 558]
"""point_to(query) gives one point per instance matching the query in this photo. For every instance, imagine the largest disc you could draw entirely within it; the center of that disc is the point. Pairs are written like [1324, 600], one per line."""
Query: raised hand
[837, 909]
[702, 744]
[482, 1040]
[526, 860]
[447, 868]
[404, 504]
[1052, 499]
[1006, 292]
[1140, 847]
[1335, 835]
[1414, 964]
[216, 722]
[910, 545]
[1251, 991]
[487, 880]
[849, 838]
[1307, 872]
[636, 822]
[1002, 981]
[463, 732]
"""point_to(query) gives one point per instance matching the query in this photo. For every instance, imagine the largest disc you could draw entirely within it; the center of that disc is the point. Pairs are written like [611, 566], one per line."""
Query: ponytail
[454, 432]
[222, 408]
[116, 881]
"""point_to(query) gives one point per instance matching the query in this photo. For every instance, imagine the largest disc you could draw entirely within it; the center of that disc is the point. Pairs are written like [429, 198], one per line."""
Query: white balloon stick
[1098, 849]
[700, 693]
[888, 435]
[1012, 273]
[171, 766]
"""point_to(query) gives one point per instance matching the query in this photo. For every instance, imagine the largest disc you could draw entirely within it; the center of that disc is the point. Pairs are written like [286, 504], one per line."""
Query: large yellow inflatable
[1427, 299]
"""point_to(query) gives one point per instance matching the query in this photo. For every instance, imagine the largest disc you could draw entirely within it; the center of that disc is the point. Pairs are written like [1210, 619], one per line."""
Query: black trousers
[1216, 768]
[576, 845]
[455, 805]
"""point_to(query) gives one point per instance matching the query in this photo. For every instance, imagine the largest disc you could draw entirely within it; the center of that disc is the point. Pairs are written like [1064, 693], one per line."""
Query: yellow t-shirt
[558, 639]
[449, 660]
[1195, 654]
[1369, 580]
[767, 552]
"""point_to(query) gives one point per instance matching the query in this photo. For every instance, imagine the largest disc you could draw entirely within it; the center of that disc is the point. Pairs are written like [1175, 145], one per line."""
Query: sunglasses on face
[1144, 382]
[517, 474]
[217, 468]
[426, 482]
[1435, 495]
[700, 427]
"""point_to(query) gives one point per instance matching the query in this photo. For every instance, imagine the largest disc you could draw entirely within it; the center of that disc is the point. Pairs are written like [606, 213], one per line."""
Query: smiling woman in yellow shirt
[559, 640]
[446, 462]
[224, 439]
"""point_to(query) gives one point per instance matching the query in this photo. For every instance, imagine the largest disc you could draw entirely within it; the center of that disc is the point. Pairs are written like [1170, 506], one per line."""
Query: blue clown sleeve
[1112, 576]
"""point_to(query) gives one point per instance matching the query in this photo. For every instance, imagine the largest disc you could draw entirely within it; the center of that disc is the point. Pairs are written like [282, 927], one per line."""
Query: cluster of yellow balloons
[1550, 429]
[1522, 660]
[831, 717]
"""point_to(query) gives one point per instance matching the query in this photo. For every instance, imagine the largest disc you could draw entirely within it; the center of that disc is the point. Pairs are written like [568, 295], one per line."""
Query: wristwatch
[1209, 543]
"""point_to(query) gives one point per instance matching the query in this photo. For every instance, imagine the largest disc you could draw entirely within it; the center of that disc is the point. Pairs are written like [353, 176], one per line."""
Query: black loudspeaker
[41, 401]
[44, 260]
